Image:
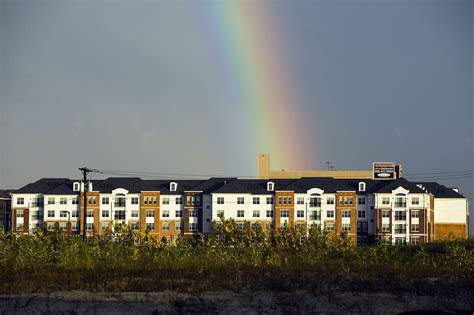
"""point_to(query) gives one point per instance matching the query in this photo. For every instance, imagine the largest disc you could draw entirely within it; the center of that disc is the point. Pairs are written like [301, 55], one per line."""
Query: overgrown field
[230, 260]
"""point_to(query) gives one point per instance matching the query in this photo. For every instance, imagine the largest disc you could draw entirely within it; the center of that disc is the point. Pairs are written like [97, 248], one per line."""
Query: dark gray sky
[139, 85]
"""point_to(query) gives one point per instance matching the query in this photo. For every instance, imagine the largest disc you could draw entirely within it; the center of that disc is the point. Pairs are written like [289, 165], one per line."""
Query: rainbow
[246, 34]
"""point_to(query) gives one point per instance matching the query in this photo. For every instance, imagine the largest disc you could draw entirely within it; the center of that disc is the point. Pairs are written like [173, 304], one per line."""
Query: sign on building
[384, 170]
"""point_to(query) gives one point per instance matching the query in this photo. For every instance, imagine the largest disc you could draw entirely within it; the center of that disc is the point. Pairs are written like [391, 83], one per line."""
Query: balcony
[119, 203]
[315, 217]
[400, 204]
[400, 231]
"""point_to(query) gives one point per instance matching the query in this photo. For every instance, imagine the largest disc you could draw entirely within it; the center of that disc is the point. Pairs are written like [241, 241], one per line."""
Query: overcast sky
[134, 85]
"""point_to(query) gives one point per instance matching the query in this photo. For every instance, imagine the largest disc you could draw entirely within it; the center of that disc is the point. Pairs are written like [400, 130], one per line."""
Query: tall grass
[229, 259]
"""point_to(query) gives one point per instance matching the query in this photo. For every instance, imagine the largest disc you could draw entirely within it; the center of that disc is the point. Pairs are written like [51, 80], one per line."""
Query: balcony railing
[119, 204]
[400, 204]
[401, 217]
[400, 231]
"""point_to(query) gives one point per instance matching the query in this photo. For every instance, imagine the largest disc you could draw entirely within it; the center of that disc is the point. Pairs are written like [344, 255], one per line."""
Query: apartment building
[363, 209]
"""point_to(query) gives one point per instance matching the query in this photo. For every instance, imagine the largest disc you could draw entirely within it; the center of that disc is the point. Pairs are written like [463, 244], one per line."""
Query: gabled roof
[65, 188]
[132, 184]
[163, 186]
[5, 193]
[253, 186]
[440, 191]
[41, 186]
[401, 182]
[210, 185]
[328, 184]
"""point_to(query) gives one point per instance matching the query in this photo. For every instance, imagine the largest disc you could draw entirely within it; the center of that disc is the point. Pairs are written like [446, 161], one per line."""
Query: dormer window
[173, 186]
[361, 186]
[270, 186]
[76, 186]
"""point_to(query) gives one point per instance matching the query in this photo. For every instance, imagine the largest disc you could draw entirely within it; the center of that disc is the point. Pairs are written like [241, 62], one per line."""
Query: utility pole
[85, 171]
[328, 163]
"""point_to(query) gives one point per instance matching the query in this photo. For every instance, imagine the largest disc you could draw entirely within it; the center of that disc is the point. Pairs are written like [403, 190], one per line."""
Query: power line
[432, 173]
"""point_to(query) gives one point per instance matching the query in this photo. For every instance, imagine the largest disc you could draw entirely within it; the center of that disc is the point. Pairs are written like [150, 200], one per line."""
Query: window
[165, 214]
[89, 226]
[400, 202]
[341, 200]
[74, 200]
[300, 213]
[350, 201]
[400, 240]
[269, 200]
[178, 213]
[90, 213]
[256, 213]
[220, 200]
[50, 200]
[415, 240]
[300, 200]
[50, 226]
[37, 202]
[193, 200]
[385, 228]
[193, 213]
[104, 213]
[415, 227]
[346, 213]
[193, 227]
[330, 200]
[315, 201]
[415, 200]
[240, 200]
[361, 214]
[385, 200]
[400, 228]
[74, 213]
[240, 213]
[75, 187]
[150, 226]
[178, 226]
[63, 201]
[119, 202]
[50, 213]
[256, 200]
[166, 200]
[415, 214]
[63, 214]
[346, 200]
[269, 213]
[385, 213]
[92, 200]
[400, 215]
[361, 186]
[165, 226]
[119, 214]
[149, 213]
[179, 200]
[315, 215]
[134, 201]
[74, 226]
[173, 186]
[220, 213]
[346, 227]
[285, 214]
[361, 200]
[19, 226]
[19, 213]
[240, 226]
[134, 226]
[36, 215]
[290, 201]
[134, 214]
[329, 226]
[104, 226]
[270, 186]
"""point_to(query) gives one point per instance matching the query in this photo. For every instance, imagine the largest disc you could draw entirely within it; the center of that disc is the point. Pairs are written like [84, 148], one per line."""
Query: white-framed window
[361, 214]
[385, 213]
[51, 213]
[270, 186]
[36, 215]
[193, 200]
[415, 201]
[89, 226]
[300, 213]
[135, 226]
[415, 227]
[240, 213]
[165, 200]
[330, 214]
[385, 200]
[400, 228]
[75, 200]
[330, 226]
[269, 213]
[63, 214]
[346, 227]
[220, 213]
[76, 186]
[330, 200]
[240, 226]
[193, 213]
[256, 200]
[178, 226]
[74, 213]
[19, 213]
[269, 200]
[104, 226]
[51, 226]
[415, 214]
[134, 200]
[193, 227]
[415, 240]
[361, 186]
[400, 215]
[150, 226]
[90, 213]
[178, 213]
[385, 228]
[150, 213]
[74, 226]
[256, 213]
[315, 201]
[165, 226]
[240, 200]
[173, 186]
[51, 200]
[220, 200]
[179, 200]
[93, 200]
[285, 214]
[165, 214]
[300, 200]
[315, 215]
[119, 215]
[63, 200]
[346, 213]
[105, 213]
[361, 200]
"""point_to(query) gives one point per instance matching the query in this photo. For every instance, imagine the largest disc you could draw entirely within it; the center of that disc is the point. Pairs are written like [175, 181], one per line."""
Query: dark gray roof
[253, 186]
[163, 186]
[328, 184]
[5, 193]
[132, 184]
[440, 191]
[42, 186]
[401, 182]
[63, 189]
